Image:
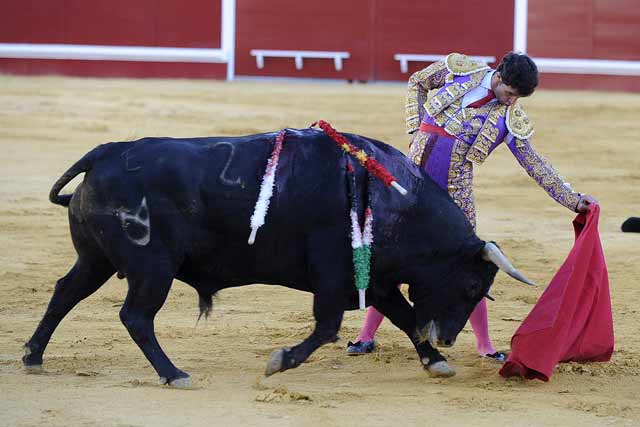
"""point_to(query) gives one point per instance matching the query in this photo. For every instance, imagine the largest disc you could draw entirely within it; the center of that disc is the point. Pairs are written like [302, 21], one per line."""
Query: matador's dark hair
[520, 72]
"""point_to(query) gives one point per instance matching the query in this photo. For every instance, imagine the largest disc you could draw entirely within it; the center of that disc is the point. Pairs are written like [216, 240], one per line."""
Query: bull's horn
[490, 252]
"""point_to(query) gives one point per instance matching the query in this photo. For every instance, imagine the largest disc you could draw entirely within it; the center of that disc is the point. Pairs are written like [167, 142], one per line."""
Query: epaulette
[518, 123]
[462, 65]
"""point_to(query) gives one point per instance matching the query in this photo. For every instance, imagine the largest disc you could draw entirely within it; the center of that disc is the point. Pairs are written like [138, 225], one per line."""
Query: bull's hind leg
[149, 286]
[329, 276]
[86, 276]
[396, 308]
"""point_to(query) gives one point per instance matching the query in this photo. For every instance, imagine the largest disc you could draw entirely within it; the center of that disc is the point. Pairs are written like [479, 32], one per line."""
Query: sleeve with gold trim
[543, 173]
[419, 84]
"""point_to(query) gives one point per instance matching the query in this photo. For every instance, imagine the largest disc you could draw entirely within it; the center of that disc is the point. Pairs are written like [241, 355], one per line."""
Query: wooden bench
[298, 56]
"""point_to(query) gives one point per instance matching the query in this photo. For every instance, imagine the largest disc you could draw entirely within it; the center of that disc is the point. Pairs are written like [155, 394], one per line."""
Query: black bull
[161, 208]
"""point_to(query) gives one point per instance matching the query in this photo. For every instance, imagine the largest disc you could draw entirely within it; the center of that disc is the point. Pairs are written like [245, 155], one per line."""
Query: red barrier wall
[166, 23]
[131, 69]
[435, 27]
[372, 31]
[330, 25]
[112, 22]
[590, 29]
[597, 29]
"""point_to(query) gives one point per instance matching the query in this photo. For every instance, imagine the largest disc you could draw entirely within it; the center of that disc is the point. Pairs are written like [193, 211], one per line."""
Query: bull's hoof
[440, 369]
[279, 361]
[31, 363]
[182, 382]
[33, 369]
[275, 363]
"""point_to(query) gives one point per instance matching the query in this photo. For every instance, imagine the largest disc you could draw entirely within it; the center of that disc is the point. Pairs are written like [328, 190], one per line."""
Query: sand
[95, 374]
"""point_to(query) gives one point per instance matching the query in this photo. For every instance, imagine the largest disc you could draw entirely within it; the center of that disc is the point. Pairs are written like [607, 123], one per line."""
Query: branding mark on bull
[127, 158]
[223, 178]
[136, 225]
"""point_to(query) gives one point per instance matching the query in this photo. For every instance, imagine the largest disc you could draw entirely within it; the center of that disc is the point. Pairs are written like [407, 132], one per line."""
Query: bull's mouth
[446, 342]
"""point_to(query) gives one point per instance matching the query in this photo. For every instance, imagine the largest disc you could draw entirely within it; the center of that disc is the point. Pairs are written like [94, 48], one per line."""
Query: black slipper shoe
[497, 356]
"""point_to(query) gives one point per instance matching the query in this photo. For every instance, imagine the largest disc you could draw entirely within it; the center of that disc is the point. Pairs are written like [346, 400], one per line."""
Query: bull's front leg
[396, 308]
[329, 275]
[328, 311]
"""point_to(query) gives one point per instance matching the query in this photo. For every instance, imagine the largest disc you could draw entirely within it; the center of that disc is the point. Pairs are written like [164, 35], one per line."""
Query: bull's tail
[205, 304]
[83, 165]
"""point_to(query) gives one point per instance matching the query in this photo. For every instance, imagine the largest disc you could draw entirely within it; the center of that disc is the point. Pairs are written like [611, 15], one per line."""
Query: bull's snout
[446, 342]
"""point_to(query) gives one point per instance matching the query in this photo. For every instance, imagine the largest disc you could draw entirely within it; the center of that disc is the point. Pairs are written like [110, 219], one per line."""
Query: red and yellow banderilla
[366, 161]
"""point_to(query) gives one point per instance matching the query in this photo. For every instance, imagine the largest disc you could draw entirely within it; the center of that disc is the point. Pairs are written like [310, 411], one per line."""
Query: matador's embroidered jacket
[435, 97]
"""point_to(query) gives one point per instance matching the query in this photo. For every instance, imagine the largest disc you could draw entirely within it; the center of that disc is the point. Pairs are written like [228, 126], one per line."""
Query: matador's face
[505, 94]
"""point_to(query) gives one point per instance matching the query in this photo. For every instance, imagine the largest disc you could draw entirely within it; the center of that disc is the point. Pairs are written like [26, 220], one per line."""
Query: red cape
[572, 320]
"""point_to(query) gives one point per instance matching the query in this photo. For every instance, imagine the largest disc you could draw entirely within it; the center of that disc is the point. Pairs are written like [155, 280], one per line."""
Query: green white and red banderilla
[266, 188]
[361, 237]
[361, 245]
[366, 161]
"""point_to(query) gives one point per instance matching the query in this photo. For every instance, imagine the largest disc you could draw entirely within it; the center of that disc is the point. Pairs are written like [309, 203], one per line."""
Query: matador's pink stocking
[372, 322]
[480, 324]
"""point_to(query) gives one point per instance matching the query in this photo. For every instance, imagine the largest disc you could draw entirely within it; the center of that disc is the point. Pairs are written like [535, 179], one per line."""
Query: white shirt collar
[486, 81]
[480, 91]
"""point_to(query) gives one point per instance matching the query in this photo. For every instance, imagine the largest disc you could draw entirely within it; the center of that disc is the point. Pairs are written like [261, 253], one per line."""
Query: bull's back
[172, 171]
[199, 195]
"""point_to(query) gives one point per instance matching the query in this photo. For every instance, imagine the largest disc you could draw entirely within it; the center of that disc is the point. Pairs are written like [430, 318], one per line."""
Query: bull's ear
[490, 252]
[489, 297]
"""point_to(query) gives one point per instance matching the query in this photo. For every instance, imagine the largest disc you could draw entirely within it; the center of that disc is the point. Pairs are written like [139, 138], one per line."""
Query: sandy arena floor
[96, 375]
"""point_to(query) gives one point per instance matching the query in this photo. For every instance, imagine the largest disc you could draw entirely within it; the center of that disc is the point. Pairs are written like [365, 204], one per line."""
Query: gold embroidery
[419, 84]
[462, 65]
[460, 181]
[451, 118]
[453, 128]
[518, 123]
[417, 146]
[423, 84]
[438, 100]
[545, 175]
[487, 136]
[483, 110]
[491, 132]
[473, 127]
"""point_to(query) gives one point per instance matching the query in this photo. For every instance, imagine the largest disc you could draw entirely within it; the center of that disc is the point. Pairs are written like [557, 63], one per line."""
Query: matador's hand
[585, 201]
